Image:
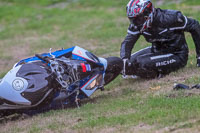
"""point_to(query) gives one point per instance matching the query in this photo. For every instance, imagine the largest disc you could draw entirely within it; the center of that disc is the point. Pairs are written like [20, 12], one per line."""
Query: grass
[29, 27]
[152, 110]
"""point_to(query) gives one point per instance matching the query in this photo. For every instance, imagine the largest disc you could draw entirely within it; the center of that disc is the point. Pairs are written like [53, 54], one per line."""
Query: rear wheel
[114, 67]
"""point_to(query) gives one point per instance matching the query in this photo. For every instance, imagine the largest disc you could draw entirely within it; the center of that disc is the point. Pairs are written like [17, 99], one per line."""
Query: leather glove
[198, 62]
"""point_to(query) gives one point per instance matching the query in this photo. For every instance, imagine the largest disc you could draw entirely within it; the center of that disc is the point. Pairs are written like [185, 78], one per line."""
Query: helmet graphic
[140, 13]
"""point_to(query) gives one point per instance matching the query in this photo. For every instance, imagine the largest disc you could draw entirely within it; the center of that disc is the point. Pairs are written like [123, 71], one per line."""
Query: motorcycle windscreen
[39, 80]
[81, 54]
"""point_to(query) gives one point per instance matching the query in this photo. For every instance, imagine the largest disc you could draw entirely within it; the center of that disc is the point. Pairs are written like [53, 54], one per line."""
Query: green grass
[161, 111]
[33, 26]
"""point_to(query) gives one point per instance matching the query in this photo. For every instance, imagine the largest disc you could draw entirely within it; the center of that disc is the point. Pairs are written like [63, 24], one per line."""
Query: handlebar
[44, 58]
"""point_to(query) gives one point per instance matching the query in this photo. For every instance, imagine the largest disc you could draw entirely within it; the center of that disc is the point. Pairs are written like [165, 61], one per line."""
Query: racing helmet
[140, 13]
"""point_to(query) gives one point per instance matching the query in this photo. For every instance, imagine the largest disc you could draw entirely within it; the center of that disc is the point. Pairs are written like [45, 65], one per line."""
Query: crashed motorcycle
[56, 78]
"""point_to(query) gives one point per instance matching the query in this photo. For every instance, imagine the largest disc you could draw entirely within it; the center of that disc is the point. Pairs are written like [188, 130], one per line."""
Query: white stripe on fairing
[177, 28]
[147, 33]
[140, 50]
[163, 31]
[133, 33]
[161, 56]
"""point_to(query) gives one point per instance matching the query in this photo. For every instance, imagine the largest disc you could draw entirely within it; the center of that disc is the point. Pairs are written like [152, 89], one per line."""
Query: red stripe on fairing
[88, 81]
[83, 67]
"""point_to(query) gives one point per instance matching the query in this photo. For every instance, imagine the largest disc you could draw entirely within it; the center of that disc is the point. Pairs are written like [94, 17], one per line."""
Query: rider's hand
[198, 62]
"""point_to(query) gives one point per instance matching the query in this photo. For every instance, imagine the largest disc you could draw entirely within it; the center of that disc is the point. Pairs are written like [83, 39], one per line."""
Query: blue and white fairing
[88, 85]
[12, 86]
[25, 86]
[76, 53]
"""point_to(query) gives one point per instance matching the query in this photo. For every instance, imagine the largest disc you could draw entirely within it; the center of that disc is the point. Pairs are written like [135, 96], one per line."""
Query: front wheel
[114, 67]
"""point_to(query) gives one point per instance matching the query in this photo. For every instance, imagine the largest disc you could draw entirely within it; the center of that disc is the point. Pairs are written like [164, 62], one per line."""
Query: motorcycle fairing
[89, 92]
[85, 84]
[57, 54]
[34, 73]
[12, 86]
[82, 54]
[75, 53]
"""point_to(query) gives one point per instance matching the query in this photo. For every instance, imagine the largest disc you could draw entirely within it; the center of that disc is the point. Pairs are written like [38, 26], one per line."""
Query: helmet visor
[138, 20]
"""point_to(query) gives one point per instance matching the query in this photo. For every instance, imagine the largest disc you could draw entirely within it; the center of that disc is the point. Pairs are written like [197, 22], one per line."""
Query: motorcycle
[56, 79]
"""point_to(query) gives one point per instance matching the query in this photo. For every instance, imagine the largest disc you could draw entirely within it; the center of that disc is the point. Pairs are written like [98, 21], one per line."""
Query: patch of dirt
[159, 2]
[16, 53]
[184, 127]
[193, 8]
[2, 3]
[61, 5]
[20, 52]
[20, 49]
[112, 10]
[23, 20]
[186, 93]
[142, 127]
[109, 130]
[1, 28]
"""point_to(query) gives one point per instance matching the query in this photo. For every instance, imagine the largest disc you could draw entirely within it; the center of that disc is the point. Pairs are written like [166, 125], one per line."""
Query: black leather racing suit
[169, 50]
